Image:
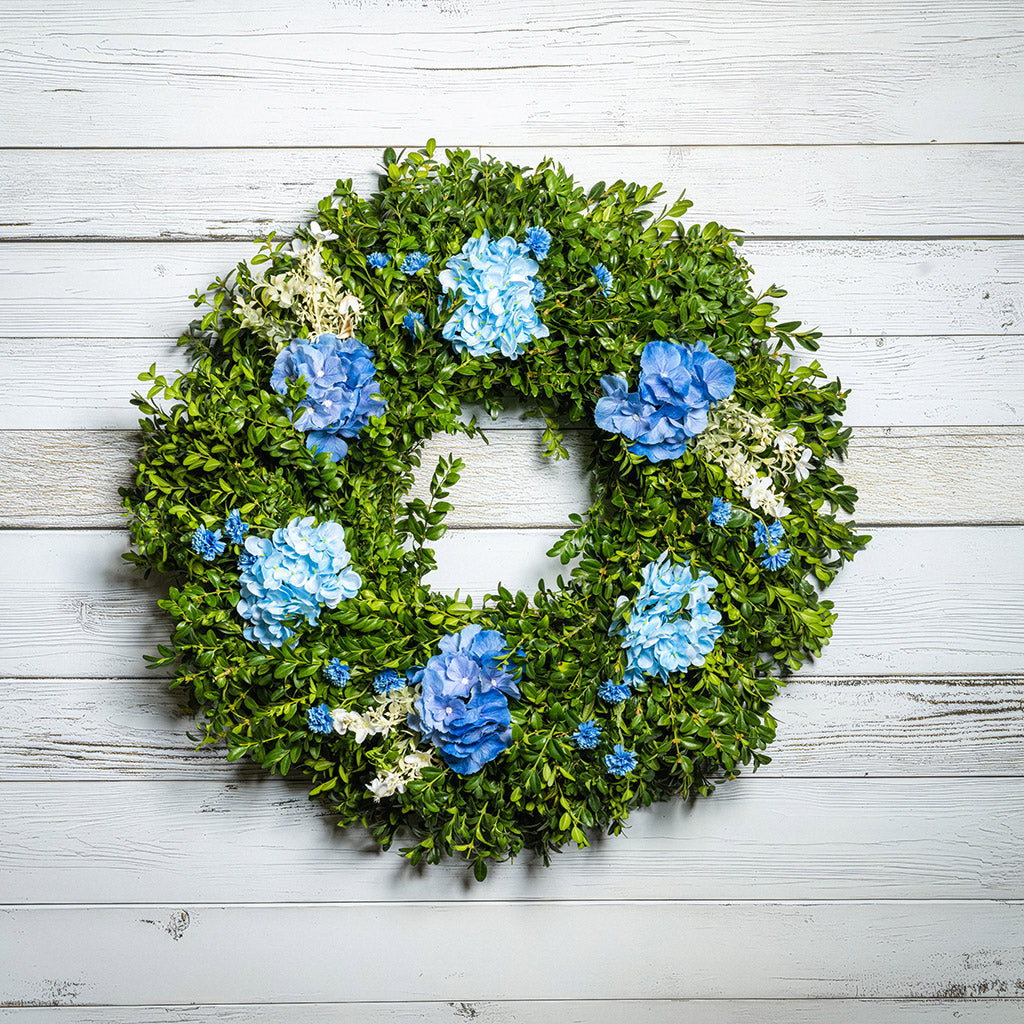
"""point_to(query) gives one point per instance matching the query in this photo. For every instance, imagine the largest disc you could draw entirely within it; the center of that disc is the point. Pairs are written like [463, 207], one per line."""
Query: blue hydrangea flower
[539, 241]
[207, 543]
[497, 313]
[777, 561]
[721, 512]
[320, 719]
[463, 709]
[296, 572]
[587, 735]
[678, 385]
[234, 527]
[603, 277]
[341, 392]
[613, 693]
[620, 761]
[411, 319]
[388, 680]
[337, 672]
[378, 260]
[768, 536]
[673, 625]
[414, 262]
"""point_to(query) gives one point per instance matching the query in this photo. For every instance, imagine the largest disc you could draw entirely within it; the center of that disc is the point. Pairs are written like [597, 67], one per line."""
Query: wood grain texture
[856, 287]
[902, 727]
[927, 476]
[947, 600]
[828, 191]
[353, 74]
[86, 383]
[202, 953]
[762, 839]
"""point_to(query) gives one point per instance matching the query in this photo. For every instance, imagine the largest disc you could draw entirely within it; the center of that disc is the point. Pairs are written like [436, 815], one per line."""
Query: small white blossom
[786, 442]
[353, 722]
[739, 470]
[759, 492]
[319, 233]
[802, 466]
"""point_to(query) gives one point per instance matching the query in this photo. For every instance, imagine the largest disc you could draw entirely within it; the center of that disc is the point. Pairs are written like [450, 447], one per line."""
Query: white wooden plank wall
[872, 873]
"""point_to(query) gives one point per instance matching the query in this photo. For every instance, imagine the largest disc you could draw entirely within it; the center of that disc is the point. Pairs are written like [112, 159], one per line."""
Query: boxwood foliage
[217, 438]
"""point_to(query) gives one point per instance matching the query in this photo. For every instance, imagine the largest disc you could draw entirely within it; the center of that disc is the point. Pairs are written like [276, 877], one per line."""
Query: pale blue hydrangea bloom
[538, 239]
[587, 735]
[234, 527]
[604, 278]
[388, 680]
[295, 573]
[620, 761]
[320, 719]
[414, 262]
[777, 561]
[721, 512]
[337, 672]
[378, 260]
[769, 535]
[497, 313]
[207, 543]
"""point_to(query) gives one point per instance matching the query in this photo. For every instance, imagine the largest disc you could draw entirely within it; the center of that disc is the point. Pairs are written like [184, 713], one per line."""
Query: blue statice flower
[411, 319]
[538, 240]
[678, 385]
[414, 262]
[721, 512]
[673, 625]
[587, 735]
[320, 719]
[341, 392]
[538, 291]
[388, 680]
[296, 572]
[770, 535]
[604, 277]
[337, 672]
[620, 761]
[234, 527]
[497, 314]
[207, 543]
[777, 561]
[378, 260]
[463, 709]
[614, 693]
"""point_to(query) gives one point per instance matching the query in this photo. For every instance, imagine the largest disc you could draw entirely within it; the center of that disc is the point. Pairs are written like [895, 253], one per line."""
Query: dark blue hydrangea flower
[320, 719]
[721, 512]
[769, 535]
[207, 543]
[678, 385]
[463, 710]
[587, 735]
[604, 277]
[613, 693]
[411, 319]
[246, 561]
[388, 680]
[378, 260]
[620, 761]
[234, 527]
[337, 672]
[414, 262]
[777, 561]
[539, 241]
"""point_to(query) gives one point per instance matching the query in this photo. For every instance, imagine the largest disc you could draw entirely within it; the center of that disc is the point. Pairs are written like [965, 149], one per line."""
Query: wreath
[274, 476]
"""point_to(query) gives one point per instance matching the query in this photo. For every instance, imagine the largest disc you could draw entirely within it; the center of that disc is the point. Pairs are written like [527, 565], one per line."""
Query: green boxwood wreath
[218, 438]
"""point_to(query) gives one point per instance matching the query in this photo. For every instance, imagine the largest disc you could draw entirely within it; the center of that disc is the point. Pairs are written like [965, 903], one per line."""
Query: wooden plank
[945, 600]
[920, 475]
[100, 729]
[830, 191]
[759, 839]
[94, 74]
[86, 383]
[194, 953]
[855, 287]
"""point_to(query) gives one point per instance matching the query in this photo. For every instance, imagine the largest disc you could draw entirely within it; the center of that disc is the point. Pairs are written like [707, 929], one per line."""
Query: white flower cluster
[410, 766]
[756, 456]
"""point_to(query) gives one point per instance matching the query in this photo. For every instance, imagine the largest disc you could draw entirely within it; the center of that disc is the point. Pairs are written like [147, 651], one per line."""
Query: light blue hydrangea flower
[678, 385]
[414, 262]
[673, 625]
[234, 527]
[538, 240]
[296, 572]
[496, 281]
[777, 561]
[770, 535]
[604, 278]
[587, 735]
[388, 680]
[378, 260]
[620, 761]
[320, 719]
[463, 709]
[337, 672]
[341, 392]
[613, 693]
[411, 319]
[721, 512]
[207, 543]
